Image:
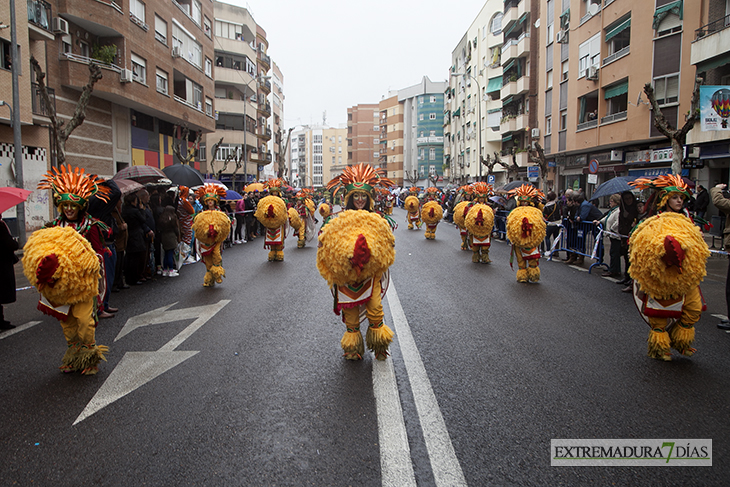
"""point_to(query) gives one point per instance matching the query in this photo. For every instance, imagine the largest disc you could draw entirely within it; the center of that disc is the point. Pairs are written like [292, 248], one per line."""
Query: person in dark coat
[8, 246]
[102, 210]
[137, 232]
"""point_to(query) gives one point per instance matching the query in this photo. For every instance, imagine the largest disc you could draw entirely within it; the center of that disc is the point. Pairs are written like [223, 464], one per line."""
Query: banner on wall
[715, 108]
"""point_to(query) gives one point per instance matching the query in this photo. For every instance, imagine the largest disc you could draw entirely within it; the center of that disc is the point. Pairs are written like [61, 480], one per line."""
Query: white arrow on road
[138, 368]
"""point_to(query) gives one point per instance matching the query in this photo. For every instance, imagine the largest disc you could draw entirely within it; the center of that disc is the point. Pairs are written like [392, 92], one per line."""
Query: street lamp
[371, 151]
[479, 119]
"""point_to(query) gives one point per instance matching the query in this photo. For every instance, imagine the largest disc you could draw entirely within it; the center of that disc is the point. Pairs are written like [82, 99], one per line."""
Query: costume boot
[475, 255]
[352, 344]
[682, 336]
[272, 255]
[533, 273]
[485, 257]
[522, 275]
[378, 338]
[658, 345]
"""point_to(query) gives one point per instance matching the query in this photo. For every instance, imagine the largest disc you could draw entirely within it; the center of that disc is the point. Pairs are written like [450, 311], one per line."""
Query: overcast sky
[337, 54]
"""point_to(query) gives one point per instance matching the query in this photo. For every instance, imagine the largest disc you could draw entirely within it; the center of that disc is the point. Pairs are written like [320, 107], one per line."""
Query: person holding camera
[721, 200]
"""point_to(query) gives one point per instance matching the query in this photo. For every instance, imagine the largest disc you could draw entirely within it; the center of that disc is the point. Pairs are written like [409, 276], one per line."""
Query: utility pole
[17, 136]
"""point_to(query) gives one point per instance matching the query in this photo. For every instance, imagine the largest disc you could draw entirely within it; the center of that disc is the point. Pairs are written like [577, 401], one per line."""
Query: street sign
[490, 179]
[261, 168]
[593, 166]
[533, 172]
[592, 178]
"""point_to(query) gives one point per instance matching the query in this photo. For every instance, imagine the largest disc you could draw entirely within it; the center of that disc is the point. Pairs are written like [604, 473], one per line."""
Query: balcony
[513, 123]
[518, 87]
[226, 105]
[617, 55]
[513, 11]
[265, 60]
[236, 77]
[516, 48]
[264, 134]
[265, 109]
[709, 43]
[587, 125]
[616, 117]
[233, 46]
[265, 86]
[39, 20]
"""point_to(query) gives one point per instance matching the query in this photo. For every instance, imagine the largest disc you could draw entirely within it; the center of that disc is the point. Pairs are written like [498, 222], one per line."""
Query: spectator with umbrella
[9, 197]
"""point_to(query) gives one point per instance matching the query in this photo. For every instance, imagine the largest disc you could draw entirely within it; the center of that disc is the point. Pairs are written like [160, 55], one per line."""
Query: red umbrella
[127, 186]
[10, 197]
[141, 174]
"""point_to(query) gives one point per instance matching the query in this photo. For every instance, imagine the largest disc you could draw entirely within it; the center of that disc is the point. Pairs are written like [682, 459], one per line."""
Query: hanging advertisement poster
[715, 108]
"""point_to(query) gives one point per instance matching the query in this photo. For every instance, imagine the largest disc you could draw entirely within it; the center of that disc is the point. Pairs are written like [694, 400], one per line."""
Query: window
[6, 55]
[206, 27]
[66, 43]
[139, 69]
[616, 96]
[548, 125]
[421, 154]
[589, 54]
[432, 154]
[666, 89]
[196, 10]
[420, 101]
[550, 34]
[190, 49]
[618, 35]
[565, 67]
[198, 96]
[208, 106]
[160, 30]
[432, 99]
[549, 79]
[136, 9]
[588, 110]
[208, 67]
[495, 25]
[432, 133]
[420, 116]
[84, 49]
[161, 81]
[564, 120]
[432, 116]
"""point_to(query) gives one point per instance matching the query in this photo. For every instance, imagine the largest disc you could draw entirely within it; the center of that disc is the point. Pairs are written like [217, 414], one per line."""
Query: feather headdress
[210, 192]
[361, 177]
[527, 192]
[275, 186]
[665, 185]
[482, 190]
[73, 186]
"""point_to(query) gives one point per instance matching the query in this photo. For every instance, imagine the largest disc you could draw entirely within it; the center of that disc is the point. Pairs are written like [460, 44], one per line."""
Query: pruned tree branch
[177, 148]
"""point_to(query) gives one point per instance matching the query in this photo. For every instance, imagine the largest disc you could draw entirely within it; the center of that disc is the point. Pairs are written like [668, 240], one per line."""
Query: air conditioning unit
[176, 51]
[592, 73]
[126, 76]
[535, 133]
[617, 155]
[561, 37]
[60, 26]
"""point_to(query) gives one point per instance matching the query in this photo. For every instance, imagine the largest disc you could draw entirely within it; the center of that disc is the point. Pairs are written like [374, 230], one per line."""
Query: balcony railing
[616, 55]
[587, 125]
[38, 104]
[713, 27]
[88, 60]
[614, 118]
[40, 14]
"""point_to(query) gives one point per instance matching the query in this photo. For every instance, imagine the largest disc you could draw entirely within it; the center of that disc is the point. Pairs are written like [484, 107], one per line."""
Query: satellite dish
[593, 9]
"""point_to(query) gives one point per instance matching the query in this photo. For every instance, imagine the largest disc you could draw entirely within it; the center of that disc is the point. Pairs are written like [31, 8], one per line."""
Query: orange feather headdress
[528, 193]
[210, 192]
[73, 186]
[361, 177]
[665, 185]
[482, 190]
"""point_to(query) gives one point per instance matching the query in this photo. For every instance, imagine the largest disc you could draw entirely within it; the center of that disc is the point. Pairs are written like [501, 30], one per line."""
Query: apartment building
[156, 61]
[473, 105]
[242, 89]
[391, 139]
[312, 150]
[363, 132]
[709, 150]
[276, 98]
[593, 118]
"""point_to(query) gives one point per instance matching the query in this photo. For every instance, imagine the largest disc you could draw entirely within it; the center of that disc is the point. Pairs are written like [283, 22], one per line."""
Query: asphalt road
[244, 383]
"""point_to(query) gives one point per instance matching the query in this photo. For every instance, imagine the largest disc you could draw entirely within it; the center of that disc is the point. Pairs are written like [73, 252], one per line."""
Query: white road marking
[18, 329]
[137, 368]
[396, 466]
[446, 468]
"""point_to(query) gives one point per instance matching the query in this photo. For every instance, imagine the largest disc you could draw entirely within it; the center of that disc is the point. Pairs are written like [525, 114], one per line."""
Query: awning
[507, 138]
[506, 67]
[494, 110]
[507, 100]
[564, 17]
[714, 62]
[676, 8]
[616, 90]
[618, 29]
[457, 112]
[495, 84]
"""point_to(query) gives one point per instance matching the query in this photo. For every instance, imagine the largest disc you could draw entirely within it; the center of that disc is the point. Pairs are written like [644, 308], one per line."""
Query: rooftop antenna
[324, 117]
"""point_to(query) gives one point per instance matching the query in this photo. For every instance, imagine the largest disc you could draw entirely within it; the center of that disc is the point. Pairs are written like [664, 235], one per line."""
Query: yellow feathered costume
[479, 222]
[526, 229]
[272, 213]
[63, 266]
[212, 228]
[356, 249]
[412, 205]
[431, 215]
[460, 211]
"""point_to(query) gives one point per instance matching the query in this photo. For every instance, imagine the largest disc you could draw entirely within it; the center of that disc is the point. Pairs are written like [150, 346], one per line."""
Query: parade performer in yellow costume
[305, 210]
[212, 228]
[479, 222]
[667, 256]
[460, 211]
[65, 267]
[431, 212]
[525, 230]
[413, 206]
[355, 252]
[272, 213]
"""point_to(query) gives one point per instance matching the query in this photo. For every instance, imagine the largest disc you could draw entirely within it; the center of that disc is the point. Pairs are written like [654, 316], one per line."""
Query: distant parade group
[356, 247]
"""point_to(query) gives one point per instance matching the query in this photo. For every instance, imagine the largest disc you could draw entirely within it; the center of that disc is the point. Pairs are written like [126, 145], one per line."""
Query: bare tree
[537, 156]
[282, 169]
[213, 153]
[411, 177]
[678, 137]
[60, 132]
[512, 168]
[181, 145]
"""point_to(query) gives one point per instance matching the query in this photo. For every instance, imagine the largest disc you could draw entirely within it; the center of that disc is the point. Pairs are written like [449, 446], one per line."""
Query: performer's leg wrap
[83, 353]
[485, 256]
[658, 342]
[533, 270]
[351, 342]
[475, 257]
[682, 334]
[379, 335]
[209, 278]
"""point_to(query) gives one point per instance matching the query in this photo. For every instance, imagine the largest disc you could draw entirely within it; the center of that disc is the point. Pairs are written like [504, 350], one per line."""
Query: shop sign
[639, 156]
[662, 155]
[575, 160]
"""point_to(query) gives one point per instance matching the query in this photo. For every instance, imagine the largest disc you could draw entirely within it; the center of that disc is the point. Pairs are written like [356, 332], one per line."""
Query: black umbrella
[618, 184]
[184, 175]
[514, 185]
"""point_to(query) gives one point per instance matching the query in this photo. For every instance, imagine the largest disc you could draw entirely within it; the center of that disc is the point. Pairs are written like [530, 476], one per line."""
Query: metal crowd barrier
[581, 238]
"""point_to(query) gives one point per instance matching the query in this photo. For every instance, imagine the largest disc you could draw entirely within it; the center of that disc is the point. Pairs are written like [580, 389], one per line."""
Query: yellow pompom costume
[525, 230]
[67, 271]
[355, 251]
[479, 222]
[413, 205]
[272, 213]
[305, 211]
[211, 228]
[431, 215]
[479, 193]
[460, 211]
[667, 257]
